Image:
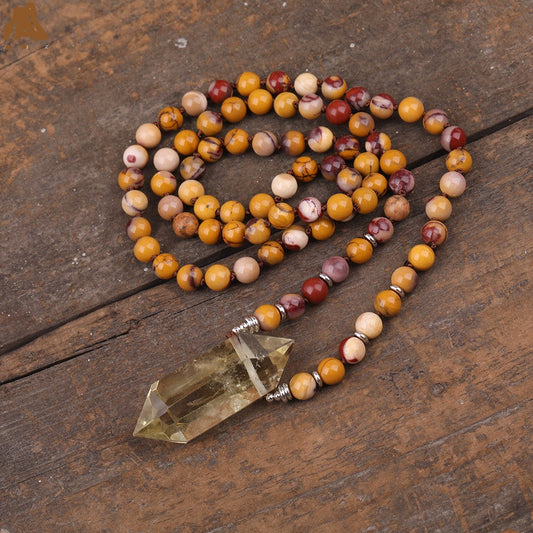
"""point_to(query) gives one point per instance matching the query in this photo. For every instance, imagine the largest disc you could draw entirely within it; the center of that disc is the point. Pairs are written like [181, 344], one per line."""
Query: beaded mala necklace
[246, 366]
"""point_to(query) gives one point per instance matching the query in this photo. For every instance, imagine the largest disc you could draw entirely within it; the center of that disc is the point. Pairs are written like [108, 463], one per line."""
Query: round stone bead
[233, 233]
[286, 105]
[292, 143]
[336, 268]
[233, 109]
[146, 248]
[185, 225]
[340, 207]
[206, 206]
[349, 179]
[358, 98]
[268, 317]
[302, 386]
[331, 166]
[264, 143]
[361, 124]
[166, 159]
[236, 141]
[138, 227]
[295, 238]
[130, 178]
[451, 138]
[189, 277]
[402, 182]
[247, 82]
[306, 83]
[210, 231]
[359, 251]
[257, 231]
[170, 118]
[382, 106]
[352, 350]
[406, 278]
[194, 103]
[246, 270]
[192, 167]
[210, 149]
[459, 160]
[260, 205]
[134, 203]
[271, 253]
[322, 229]
[294, 305]
[281, 215]
[347, 146]
[365, 200]
[369, 324]
[163, 182]
[186, 142]
[135, 156]
[320, 139]
[219, 90]
[310, 106]
[331, 371]
[377, 143]
[314, 290]
[387, 303]
[217, 277]
[165, 266]
[148, 135]
[392, 161]
[232, 210]
[189, 191]
[309, 209]
[366, 163]
[411, 109]
[435, 120]
[260, 101]
[169, 206]
[434, 233]
[397, 208]
[381, 229]
[278, 82]
[333, 87]
[209, 123]
[338, 112]
[305, 169]
[452, 184]
[421, 257]
[284, 185]
[377, 182]
[438, 208]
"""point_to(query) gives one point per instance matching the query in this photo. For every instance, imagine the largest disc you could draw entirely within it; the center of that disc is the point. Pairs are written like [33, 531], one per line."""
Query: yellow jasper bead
[236, 141]
[210, 231]
[165, 266]
[206, 206]
[410, 109]
[189, 191]
[233, 233]
[271, 253]
[247, 82]
[377, 182]
[232, 210]
[130, 178]
[459, 160]
[302, 386]
[361, 124]
[286, 105]
[138, 227]
[391, 161]
[163, 182]
[405, 277]
[365, 200]
[186, 142]
[134, 203]
[339, 207]
[369, 324]
[189, 277]
[146, 248]
[281, 215]
[387, 303]
[260, 205]
[260, 101]
[210, 149]
[233, 109]
[421, 257]
[438, 208]
[366, 163]
[305, 169]
[209, 123]
[268, 317]
[359, 250]
[217, 277]
[331, 370]
[257, 231]
[170, 118]
[322, 229]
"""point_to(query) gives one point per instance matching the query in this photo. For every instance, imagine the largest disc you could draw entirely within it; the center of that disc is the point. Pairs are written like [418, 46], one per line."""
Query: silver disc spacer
[282, 312]
[397, 290]
[325, 278]
[318, 379]
[281, 394]
[361, 337]
[250, 325]
[370, 239]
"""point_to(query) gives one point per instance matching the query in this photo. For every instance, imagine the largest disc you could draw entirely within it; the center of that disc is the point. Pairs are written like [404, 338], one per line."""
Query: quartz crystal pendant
[212, 387]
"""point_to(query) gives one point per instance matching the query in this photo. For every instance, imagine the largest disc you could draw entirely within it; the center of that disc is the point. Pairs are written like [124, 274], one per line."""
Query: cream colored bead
[306, 83]
[320, 139]
[135, 156]
[453, 184]
[284, 185]
[352, 350]
[439, 208]
[369, 324]
[194, 103]
[166, 159]
[148, 135]
[302, 386]
[246, 269]
[264, 143]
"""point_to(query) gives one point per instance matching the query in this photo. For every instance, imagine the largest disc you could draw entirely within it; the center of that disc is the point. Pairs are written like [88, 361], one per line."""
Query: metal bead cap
[250, 325]
[281, 394]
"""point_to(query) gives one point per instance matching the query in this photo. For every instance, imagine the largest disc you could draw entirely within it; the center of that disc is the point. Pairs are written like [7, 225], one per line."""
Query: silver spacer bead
[250, 325]
[282, 311]
[397, 290]
[326, 279]
[281, 394]
[361, 337]
[318, 379]
[370, 239]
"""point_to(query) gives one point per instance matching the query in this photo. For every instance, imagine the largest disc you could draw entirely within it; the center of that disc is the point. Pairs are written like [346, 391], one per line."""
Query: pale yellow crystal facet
[212, 387]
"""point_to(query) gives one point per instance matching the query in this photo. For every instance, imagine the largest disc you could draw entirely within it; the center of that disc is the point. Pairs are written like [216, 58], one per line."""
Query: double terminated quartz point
[212, 387]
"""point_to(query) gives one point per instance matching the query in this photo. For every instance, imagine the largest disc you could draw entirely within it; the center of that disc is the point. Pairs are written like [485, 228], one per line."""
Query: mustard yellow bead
[233, 233]
[165, 266]
[268, 317]
[292, 143]
[322, 229]
[365, 200]
[210, 231]
[217, 277]
[405, 277]
[138, 227]
[146, 248]
[209, 123]
[305, 169]
[189, 191]
[359, 251]
[361, 124]
[210, 149]
[257, 231]
[459, 160]
[271, 253]
[331, 370]
[435, 120]
[438, 208]
[260, 101]
[232, 210]
[391, 161]
[286, 105]
[366, 163]
[186, 142]
[170, 118]
[411, 109]
[421, 257]
[163, 182]
[260, 205]
[281, 215]
[340, 207]
[377, 182]
[387, 303]
[302, 386]
[130, 178]
[189, 277]
[236, 141]
[247, 82]
[206, 206]
[233, 109]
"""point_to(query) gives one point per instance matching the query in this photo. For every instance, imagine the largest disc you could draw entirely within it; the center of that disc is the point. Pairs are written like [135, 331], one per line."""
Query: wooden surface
[430, 433]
